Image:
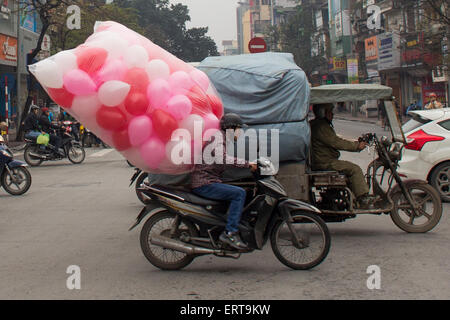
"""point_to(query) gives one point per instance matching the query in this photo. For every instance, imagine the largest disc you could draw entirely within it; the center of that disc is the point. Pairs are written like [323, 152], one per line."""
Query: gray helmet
[34, 107]
[231, 121]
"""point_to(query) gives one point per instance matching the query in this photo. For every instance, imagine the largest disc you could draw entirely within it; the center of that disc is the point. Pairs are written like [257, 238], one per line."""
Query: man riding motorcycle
[207, 181]
[31, 124]
[47, 127]
[325, 153]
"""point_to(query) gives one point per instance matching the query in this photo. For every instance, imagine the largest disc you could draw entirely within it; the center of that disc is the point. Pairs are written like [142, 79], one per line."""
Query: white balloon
[194, 124]
[136, 57]
[114, 44]
[66, 61]
[48, 73]
[113, 93]
[157, 69]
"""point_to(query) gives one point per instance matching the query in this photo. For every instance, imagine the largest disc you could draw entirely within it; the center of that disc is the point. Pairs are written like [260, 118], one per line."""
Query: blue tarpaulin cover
[268, 90]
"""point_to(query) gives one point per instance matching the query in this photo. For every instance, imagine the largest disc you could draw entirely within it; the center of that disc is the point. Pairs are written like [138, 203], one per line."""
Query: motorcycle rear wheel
[76, 154]
[430, 207]
[314, 235]
[22, 185]
[32, 161]
[166, 259]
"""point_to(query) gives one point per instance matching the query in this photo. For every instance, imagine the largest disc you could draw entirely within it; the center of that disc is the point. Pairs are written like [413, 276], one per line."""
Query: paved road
[79, 215]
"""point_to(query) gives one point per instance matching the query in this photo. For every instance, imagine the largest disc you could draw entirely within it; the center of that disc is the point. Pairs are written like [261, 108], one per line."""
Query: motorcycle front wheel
[166, 259]
[429, 211]
[314, 238]
[17, 181]
[76, 154]
[29, 158]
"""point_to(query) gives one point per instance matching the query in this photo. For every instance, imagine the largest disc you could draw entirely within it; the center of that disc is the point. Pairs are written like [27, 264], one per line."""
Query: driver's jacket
[326, 144]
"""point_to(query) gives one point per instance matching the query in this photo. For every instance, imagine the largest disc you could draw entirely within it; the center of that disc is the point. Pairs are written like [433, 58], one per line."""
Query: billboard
[389, 56]
[371, 46]
[8, 49]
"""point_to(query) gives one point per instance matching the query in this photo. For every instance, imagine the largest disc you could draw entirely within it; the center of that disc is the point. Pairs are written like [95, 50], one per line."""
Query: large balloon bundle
[134, 95]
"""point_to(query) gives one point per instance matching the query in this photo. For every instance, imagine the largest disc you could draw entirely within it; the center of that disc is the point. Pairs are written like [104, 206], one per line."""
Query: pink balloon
[79, 83]
[179, 107]
[211, 121]
[200, 78]
[159, 93]
[180, 82]
[112, 70]
[140, 130]
[153, 151]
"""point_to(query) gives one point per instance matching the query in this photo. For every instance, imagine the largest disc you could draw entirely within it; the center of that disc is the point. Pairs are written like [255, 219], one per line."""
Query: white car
[427, 154]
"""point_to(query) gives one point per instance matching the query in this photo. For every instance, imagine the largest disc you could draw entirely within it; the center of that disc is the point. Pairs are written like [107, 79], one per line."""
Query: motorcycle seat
[188, 196]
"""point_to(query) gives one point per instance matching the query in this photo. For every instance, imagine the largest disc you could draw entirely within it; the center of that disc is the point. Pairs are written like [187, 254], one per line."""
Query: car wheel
[440, 179]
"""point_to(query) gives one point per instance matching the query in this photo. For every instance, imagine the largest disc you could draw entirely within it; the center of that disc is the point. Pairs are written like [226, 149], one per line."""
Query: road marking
[101, 153]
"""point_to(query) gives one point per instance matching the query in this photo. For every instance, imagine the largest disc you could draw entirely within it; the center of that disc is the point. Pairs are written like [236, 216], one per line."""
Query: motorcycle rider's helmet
[44, 110]
[34, 107]
[320, 109]
[231, 121]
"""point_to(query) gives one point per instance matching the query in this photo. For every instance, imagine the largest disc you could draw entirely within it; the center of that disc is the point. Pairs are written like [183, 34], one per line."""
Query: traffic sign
[257, 45]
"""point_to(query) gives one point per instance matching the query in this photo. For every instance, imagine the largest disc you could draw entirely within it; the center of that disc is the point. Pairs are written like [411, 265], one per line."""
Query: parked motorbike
[88, 138]
[35, 154]
[183, 226]
[14, 176]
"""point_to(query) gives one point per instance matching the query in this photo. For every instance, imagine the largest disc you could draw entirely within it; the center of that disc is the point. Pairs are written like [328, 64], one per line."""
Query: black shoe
[366, 202]
[233, 239]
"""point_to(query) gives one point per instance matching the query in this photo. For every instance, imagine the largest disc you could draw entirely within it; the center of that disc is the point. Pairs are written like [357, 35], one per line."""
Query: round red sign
[257, 45]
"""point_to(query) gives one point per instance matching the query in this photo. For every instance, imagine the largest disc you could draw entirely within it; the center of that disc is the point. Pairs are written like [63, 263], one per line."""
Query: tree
[296, 36]
[165, 25]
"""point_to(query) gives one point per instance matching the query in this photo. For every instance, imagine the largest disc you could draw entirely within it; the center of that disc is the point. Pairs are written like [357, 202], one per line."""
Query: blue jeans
[220, 191]
[32, 135]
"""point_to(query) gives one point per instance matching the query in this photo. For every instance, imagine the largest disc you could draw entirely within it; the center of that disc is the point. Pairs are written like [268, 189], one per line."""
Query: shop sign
[371, 46]
[8, 48]
[440, 74]
[338, 24]
[388, 51]
[352, 70]
[339, 64]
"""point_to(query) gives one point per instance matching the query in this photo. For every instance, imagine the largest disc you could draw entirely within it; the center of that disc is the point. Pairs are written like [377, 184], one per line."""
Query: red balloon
[111, 118]
[164, 124]
[200, 102]
[61, 96]
[137, 78]
[136, 103]
[216, 105]
[91, 60]
[121, 140]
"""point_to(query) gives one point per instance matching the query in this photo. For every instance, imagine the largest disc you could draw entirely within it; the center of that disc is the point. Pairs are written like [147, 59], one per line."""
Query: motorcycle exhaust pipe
[176, 245]
[37, 155]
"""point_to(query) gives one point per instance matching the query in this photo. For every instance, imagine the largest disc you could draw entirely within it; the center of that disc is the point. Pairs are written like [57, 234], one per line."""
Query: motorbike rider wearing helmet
[31, 124]
[207, 181]
[325, 152]
[46, 126]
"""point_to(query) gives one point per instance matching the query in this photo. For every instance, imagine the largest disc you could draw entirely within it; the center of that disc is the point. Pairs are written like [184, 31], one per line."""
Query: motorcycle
[183, 226]
[35, 153]
[88, 138]
[14, 176]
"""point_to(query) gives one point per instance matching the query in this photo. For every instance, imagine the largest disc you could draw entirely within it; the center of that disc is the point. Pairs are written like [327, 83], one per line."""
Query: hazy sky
[218, 15]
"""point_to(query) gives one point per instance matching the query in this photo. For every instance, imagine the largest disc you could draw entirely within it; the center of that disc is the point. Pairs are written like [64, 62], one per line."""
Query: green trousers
[358, 183]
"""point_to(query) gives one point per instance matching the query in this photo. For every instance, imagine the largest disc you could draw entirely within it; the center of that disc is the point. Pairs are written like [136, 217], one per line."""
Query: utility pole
[19, 58]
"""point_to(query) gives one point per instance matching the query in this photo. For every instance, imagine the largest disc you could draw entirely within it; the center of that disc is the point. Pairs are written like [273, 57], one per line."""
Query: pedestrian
[382, 113]
[433, 104]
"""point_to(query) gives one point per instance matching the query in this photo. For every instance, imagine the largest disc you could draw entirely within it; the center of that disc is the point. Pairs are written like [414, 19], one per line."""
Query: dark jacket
[326, 144]
[45, 124]
[31, 123]
[204, 174]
